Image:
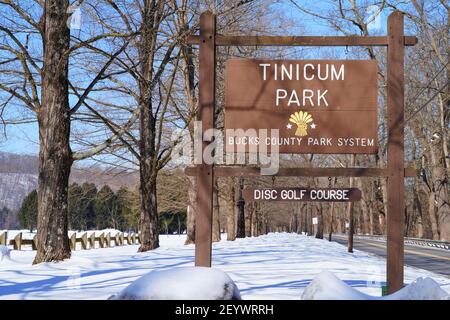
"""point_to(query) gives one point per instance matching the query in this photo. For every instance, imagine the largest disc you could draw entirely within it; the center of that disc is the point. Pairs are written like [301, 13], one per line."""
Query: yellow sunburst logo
[301, 119]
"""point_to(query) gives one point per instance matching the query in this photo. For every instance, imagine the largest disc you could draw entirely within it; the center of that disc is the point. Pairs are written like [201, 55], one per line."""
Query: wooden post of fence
[117, 239]
[73, 242]
[101, 240]
[92, 241]
[128, 238]
[108, 239]
[4, 238]
[34, 243]
[121, 238]
[18, 241]
[205, 114]
[395, 152]
[133, 238]
[84, 241]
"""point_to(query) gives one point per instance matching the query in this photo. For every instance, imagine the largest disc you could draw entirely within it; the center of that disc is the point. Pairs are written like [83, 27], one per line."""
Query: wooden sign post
[205, 114]
[395, 153]
[258, 112]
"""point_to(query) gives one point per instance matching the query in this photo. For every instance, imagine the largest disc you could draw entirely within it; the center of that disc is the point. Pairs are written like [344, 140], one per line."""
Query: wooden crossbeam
[224, 40]
[234, 171]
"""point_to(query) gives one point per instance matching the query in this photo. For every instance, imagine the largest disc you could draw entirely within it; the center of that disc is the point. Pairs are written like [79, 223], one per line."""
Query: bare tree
[36, 50]
[240, 229]
[427, 100]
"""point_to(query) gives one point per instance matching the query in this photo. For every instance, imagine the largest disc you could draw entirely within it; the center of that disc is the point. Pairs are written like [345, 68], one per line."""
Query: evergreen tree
[88, 196]
[106, 209]
[4, 213]
[129, 209]
[166, 219]
[77, 214]
[172, 222]
[28, 211]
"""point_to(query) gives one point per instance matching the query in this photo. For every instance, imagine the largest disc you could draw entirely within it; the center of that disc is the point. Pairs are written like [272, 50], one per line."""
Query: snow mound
[184, 283]
[5, 253]
[420, 289]
[326, 286]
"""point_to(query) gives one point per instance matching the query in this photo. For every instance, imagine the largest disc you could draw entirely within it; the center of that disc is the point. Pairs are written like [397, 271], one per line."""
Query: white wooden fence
[104, 240]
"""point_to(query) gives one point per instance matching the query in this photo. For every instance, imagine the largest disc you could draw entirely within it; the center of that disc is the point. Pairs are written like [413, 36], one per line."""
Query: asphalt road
[435, 260]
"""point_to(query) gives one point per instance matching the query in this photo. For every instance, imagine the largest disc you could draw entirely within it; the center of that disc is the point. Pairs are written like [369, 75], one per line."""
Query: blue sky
[21, 139]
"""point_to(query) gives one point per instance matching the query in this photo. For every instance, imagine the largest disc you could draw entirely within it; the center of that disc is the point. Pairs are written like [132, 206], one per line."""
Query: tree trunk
[351, 229]
[371, 219]
[231, 212]
[216, 213]
[148, 174]
[330, 234]
[148, 162]
[351, 219]
[304, 212]
[337, 225]
[309, 220]
[365, 221]
[255, 220]
[55, 158]
[442, 202]
[265, 223]
[248, 220]
[382, 197]
[444, 214]
[190, 215]
[189, 87]
[148, 225]
[425, 230]
[297, 222]
[432, 215]
[376, 219]
[320, 221]
[240, 232]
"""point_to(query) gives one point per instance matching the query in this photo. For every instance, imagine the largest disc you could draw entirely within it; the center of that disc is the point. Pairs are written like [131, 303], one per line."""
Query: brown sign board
[318, 106]
[302, 194]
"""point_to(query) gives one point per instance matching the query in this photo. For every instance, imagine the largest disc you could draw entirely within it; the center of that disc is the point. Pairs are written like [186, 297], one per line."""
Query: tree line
[90, 208]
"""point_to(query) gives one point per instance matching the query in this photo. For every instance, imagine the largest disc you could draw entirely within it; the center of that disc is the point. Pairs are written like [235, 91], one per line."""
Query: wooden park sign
[318, 106]
[302, 194]
[338, 103]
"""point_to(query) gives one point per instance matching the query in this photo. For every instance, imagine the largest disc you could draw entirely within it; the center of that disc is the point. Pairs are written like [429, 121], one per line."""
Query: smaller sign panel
[315, 220]
[302, 194]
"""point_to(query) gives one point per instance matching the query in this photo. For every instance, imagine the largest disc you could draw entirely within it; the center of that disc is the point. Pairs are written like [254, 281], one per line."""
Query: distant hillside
[14, 187]
[16, 163]
[19, 176]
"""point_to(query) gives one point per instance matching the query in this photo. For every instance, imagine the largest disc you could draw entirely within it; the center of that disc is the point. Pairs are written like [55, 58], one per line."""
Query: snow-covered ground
[274, 266]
